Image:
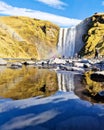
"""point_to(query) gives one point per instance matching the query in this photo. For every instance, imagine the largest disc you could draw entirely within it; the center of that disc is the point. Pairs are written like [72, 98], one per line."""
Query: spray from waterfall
[66, 43]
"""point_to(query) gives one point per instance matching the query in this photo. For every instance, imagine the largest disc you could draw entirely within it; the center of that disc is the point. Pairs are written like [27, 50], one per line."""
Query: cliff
[23, 37]
[94, 36]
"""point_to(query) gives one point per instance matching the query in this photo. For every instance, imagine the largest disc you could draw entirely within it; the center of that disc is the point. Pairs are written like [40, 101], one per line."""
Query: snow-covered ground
[62, 111]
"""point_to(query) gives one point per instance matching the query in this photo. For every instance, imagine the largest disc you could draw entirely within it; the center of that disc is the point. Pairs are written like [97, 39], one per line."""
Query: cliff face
[23, 37]
[94, 36]
[81, 29]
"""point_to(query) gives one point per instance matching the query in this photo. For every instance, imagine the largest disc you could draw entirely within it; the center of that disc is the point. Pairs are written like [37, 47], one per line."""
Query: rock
[78, 69]
[87, 65]
[97, 76]
[16, 64]
[28, 63]
[95, 68]
[58, 61]
[3, 62]
[84, 61]
[64, 67]
[76, 64]
[100, 65]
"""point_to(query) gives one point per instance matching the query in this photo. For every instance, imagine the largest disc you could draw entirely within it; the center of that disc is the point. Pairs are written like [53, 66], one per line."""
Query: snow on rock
[58, 61]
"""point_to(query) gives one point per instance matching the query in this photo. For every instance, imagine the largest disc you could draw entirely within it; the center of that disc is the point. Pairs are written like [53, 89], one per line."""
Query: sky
[65, 13]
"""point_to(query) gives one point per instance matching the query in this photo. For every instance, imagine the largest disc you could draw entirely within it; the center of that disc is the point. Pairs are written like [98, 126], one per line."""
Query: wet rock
[95, 68]
[28, 63]
[87, 65]
[58, 61]
[84, 61]
[100, 65]
[97, 76]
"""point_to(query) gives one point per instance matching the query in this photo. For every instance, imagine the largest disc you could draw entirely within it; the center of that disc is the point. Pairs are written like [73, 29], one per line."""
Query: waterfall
[66, 43]
[65, 82]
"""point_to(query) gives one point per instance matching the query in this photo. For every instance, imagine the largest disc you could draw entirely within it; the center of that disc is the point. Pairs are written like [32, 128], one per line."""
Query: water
[66, 81]
[60, 109]
[66, 43]
[31, 82]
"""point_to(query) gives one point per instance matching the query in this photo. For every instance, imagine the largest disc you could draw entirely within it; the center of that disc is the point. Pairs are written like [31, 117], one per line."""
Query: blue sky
[62, 12]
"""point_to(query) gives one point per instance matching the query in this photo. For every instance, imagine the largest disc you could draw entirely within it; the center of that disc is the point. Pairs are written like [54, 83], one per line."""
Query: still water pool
[30, 81]
[65, 105]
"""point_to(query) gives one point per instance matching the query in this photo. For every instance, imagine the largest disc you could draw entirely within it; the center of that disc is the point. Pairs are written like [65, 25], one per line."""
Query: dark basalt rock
[97, 77]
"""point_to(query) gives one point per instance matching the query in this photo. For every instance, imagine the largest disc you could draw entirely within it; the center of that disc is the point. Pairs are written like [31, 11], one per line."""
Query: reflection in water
[81, 85]
[30, 82]
[93, 88]
[65, 81]
[27, 82]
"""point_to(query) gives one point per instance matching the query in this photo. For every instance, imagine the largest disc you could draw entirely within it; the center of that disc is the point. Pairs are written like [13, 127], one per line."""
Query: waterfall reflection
[66, 81]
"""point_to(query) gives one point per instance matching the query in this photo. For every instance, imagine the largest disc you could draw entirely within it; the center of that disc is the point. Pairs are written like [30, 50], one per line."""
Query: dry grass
[94, 37]
[35, 42]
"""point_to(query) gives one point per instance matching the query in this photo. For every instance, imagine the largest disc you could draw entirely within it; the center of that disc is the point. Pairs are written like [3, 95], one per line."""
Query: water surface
[30, 81]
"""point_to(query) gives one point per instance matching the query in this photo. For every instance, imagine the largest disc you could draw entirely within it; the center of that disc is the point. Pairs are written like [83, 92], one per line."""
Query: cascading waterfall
[65, 82]
[66, 43]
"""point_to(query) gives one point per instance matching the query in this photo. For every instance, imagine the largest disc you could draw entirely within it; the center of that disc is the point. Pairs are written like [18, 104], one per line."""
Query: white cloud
[60, 20]
[54, 3]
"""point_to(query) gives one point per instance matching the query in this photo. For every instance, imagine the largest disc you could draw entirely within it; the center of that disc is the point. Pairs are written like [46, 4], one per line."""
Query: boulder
[28, 63]
[95, 68]
[87, 65]
[77, 64]
[84, 61]
[97, 76]
[78, 69]
[58, 61]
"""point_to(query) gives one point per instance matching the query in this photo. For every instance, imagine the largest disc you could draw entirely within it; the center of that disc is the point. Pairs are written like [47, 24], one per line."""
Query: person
[96, 53]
